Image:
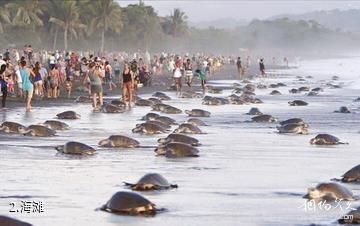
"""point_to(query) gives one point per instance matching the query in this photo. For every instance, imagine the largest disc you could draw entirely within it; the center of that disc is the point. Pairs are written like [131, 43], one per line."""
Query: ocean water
[247, 173]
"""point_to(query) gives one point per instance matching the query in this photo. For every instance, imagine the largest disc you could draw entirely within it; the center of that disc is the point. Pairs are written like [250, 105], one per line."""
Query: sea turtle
[154, 100]
[119, 141]
[196, 122]
[249, 88]
[293, 90]
[261, 86]
[329, 191]
[68, 115]
[171, 110]
[275, 92]
[343, 109]
[75, 148]
[177, 149]
[352, 217]
[357, 99]
[12, 127]
[211, 101]
[144, 102]
[150, 116]
[111, 108]
[304, 89]
[293, 128]
[174, 137]
[325, 139]
[164, 119]
[161, 96]
[148, 128]
[273, 86]
[298, 121]
[254, 111]
[188, 129]
[129, 203]
[159, 107]
[222, 100]
[39, 131]
[297, 103]
[352, 175]
[317, 89]
[8, 221]
[151, 181]
[197, 113]
[159, 123]
[56, 125]
[118, 103]
[263, 118]
[280, 84]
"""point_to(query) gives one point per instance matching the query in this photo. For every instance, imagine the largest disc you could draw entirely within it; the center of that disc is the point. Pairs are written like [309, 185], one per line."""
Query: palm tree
[177, 22]
[107, 17]
[4, 17]
[68, 19]
[27, 12]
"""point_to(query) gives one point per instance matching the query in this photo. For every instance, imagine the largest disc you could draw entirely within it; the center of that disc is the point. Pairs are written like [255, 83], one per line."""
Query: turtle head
[104, 143]
[313, 141]
[59, 148]
[313, 193]
[177, 131]
[22, 129]
[161, 150]
[188, 112]
[137, 129]
[163, 140]
[28, 132]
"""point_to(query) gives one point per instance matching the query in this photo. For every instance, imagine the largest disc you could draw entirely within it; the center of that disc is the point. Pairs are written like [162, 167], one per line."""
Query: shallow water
[247, 174]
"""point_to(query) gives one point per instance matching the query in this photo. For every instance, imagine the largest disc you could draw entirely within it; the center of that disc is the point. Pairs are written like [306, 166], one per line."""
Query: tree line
[48, 21]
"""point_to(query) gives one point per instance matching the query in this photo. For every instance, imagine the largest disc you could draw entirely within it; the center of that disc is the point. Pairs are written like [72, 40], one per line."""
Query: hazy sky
[205, 10]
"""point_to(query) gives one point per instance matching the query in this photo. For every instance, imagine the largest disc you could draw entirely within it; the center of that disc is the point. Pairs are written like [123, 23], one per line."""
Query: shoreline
[161, 83]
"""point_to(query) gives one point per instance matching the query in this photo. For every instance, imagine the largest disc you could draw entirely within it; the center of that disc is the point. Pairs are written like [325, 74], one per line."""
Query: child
[68, 86]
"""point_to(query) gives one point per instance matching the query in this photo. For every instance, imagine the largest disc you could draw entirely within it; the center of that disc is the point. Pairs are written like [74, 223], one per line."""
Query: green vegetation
[104, 25]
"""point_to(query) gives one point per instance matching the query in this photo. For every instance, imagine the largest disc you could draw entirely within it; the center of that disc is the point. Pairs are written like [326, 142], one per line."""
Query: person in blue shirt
[3, 85]
[27, 86]
[202, 76]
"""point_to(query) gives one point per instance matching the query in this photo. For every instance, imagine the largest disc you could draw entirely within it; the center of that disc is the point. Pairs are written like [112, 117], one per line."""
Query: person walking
[262, 67]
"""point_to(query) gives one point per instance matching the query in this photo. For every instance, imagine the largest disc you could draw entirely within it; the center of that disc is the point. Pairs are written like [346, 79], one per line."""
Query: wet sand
[247, 174]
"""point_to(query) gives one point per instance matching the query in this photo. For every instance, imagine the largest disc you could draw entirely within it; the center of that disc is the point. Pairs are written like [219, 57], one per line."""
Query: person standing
[27, 86]
[188, 72]
[239, 66]
[262, 66]
[38, 80]
[54, 82]
[177, 75]
[127, 84]
[108, 75]
[202, 76]
[3, 84]
[95, 77]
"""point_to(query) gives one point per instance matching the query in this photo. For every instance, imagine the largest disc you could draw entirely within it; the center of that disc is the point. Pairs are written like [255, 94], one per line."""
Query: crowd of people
[43, 74]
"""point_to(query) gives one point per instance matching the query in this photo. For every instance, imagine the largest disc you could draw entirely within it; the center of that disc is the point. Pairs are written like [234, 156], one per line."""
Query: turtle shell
[154, 179]
[129, 202]
[352, 175]
[77, 148]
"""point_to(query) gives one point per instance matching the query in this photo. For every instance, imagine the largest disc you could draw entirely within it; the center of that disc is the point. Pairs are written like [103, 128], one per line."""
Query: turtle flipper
[128, 184]
[173, 186]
